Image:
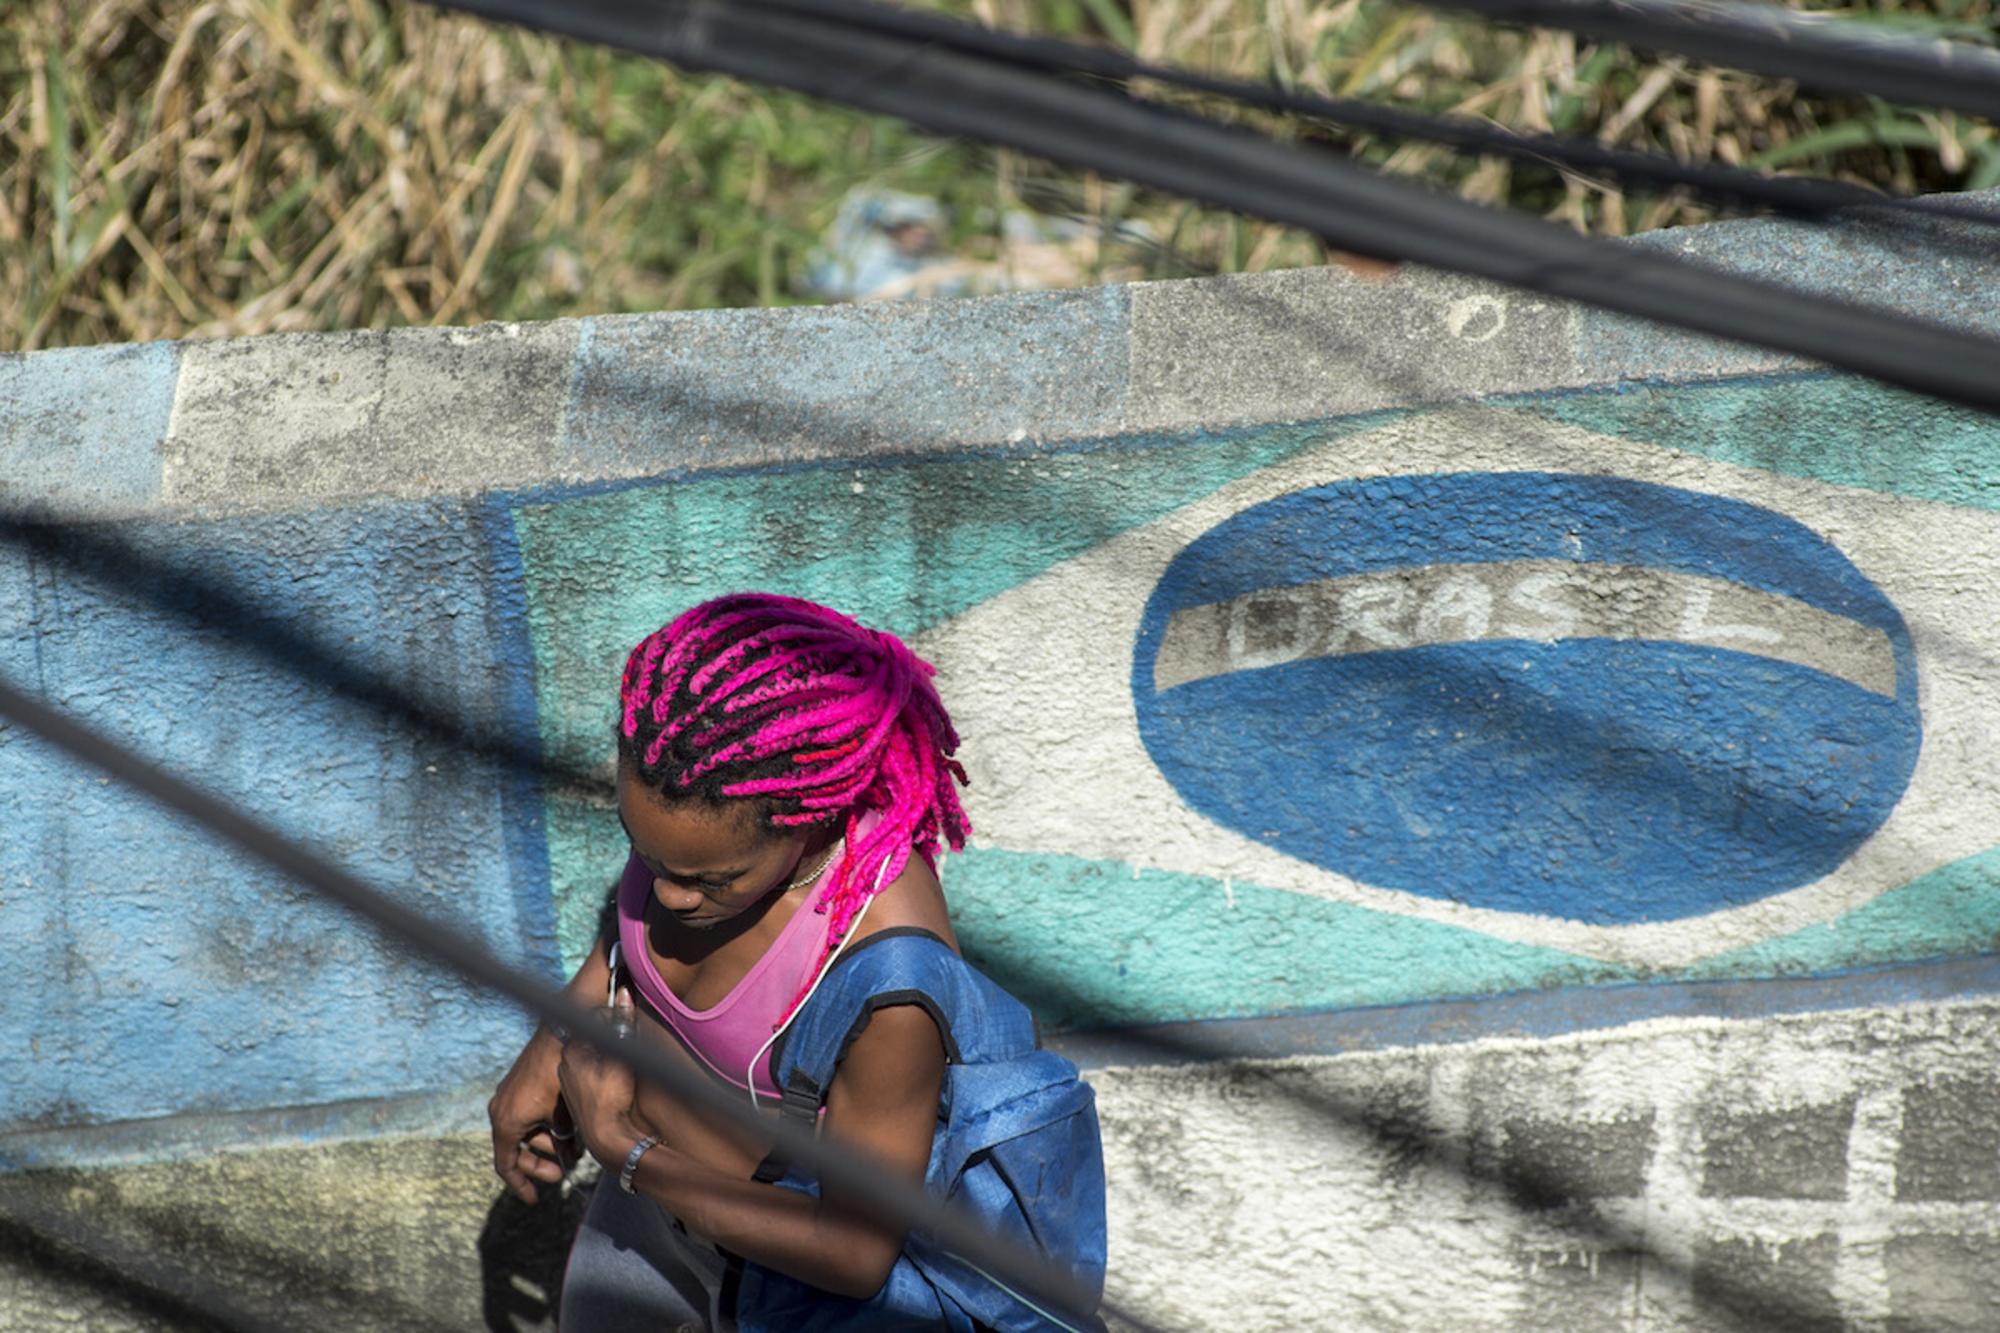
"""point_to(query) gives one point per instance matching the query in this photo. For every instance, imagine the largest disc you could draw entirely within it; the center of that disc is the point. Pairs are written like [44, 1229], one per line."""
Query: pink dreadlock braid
[786, 701]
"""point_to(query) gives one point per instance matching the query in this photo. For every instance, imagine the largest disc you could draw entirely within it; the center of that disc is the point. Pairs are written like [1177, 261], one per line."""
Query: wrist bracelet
[632, 1161]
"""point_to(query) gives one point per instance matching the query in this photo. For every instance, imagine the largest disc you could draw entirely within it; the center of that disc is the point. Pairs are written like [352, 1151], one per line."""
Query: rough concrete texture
[735, 387]
[1797, 1153]
[335, 415]
[1500, 1185]
[53, 1289]
[1406, 669]
[1933, 270]
[1324, 342]
[1782, 1286]
[1942, 1283]
[1950, 1142]
[1569, 1184]
[81, 428]
[290, 420]
[394, 1234]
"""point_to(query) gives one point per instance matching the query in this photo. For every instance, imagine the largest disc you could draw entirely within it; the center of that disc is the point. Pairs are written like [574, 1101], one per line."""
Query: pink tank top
[727, 1036]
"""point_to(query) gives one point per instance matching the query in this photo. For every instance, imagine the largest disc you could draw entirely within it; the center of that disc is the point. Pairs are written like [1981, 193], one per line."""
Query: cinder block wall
[1500, 798]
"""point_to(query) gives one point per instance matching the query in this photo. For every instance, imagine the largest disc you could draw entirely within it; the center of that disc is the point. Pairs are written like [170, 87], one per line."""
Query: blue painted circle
[1593, 779]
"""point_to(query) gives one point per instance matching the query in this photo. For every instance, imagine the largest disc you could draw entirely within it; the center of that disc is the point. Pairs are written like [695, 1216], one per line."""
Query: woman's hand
[600, 1091]
[534, 1139]
[523, 1111]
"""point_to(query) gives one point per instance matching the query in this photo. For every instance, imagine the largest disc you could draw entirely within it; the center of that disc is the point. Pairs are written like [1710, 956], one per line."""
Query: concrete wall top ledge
[300, 420]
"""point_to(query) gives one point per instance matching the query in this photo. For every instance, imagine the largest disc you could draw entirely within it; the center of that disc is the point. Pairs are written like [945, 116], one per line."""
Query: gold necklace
[814, 874]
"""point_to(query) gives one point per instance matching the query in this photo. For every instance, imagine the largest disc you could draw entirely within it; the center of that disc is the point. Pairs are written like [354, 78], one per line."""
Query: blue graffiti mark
[449, 1112]
[1603, 779]
[522, 795]
[1526, 1014]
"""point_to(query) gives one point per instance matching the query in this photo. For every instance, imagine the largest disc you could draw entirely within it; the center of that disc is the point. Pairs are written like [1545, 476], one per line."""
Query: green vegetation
[211, 167]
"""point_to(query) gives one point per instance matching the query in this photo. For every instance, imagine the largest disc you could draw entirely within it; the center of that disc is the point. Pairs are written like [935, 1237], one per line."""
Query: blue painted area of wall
[1533, 1014]
[1598, 780]
[84, 424]
[455, 1111]
[33, 782]
[657, 392]
[178, 978]
[523, 792]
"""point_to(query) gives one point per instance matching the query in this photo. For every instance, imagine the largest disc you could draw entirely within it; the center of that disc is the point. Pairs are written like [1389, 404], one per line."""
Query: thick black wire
[957, 94]
[1818, 51]
[1145, 1045]
[694, 30]
[870, 1188]
[1805, 196]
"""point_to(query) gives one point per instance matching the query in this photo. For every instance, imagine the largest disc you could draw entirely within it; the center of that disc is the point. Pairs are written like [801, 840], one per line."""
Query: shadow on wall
[158, 1258]
[522, 1252]
[277, 1247]
[75, 1232]
[1557, 1185]
[50, 1278]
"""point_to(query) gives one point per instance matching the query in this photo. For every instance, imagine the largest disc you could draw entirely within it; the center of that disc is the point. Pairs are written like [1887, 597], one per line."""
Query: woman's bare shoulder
[912, 899]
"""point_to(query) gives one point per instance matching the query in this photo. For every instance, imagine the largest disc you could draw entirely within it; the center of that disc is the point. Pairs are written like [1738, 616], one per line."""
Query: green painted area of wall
[902, 547]
[1186, 946]
[1092, 944]
[587, 851]
[1953, 911]
[1849, 432]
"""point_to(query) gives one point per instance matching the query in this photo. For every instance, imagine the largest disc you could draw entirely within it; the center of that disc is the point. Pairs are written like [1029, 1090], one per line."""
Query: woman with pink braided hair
[778, 764]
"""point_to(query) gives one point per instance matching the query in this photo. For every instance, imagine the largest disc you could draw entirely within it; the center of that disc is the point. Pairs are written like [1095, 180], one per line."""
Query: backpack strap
[900, 965]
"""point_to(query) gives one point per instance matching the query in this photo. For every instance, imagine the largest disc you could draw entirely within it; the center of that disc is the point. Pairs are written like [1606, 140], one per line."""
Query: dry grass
[180, 168]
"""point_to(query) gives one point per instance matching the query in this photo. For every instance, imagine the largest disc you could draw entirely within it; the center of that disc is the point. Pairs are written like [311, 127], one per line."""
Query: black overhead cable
[1817, 50]
[954, 93]
[1802, 195]
[871, 1188]
[698, 34]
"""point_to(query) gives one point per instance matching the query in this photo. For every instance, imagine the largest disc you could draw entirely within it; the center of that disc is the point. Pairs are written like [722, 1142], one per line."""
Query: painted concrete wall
[1502, 799]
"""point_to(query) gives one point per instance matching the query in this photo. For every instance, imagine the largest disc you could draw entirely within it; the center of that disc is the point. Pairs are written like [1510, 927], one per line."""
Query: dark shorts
[635, 1267]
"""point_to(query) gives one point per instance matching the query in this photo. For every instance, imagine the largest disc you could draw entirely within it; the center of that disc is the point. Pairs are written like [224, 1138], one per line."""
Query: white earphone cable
[750, 1071]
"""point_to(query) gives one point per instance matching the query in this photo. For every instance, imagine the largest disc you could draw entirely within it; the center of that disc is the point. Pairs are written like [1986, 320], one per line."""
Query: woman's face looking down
[710, 863]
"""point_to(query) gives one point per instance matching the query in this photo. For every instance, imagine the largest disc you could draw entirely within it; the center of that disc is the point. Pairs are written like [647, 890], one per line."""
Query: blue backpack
[1016, 1142]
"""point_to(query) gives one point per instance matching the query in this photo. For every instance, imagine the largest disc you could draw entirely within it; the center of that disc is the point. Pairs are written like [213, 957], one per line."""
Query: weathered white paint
[1284, 1194]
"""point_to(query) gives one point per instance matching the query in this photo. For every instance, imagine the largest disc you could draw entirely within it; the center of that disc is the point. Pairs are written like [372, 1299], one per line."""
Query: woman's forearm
[782, 1229]
[587, 986]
